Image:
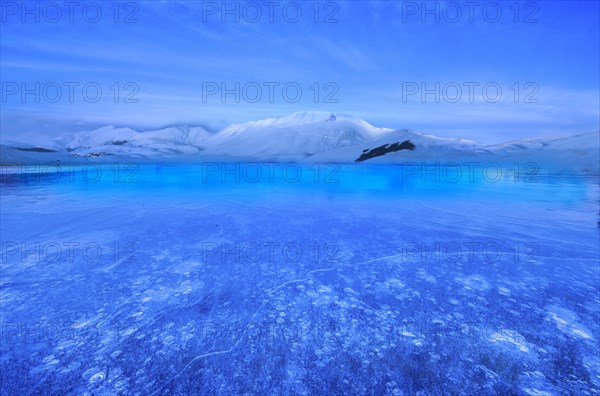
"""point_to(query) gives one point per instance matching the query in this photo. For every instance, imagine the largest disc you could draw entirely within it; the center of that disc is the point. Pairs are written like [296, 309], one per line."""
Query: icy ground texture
[363, 316]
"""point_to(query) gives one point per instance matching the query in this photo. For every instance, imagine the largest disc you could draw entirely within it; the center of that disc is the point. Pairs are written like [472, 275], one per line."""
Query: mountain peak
[308, 121]
[296, 119]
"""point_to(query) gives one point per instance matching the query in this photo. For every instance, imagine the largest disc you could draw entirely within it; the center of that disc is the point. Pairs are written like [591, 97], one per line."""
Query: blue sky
[365, 55]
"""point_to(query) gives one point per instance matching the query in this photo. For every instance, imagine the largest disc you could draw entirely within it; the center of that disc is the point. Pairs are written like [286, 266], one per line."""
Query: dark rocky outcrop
[386, 148]
[35, 149]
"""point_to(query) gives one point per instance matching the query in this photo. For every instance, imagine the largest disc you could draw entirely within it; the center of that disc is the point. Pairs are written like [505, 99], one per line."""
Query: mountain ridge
[297, 137]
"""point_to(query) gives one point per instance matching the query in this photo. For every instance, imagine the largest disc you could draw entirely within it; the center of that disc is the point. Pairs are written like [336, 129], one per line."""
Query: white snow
[567, 321]
[309, 136]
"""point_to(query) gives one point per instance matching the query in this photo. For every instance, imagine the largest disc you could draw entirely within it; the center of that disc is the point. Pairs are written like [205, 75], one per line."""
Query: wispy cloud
[367, 53]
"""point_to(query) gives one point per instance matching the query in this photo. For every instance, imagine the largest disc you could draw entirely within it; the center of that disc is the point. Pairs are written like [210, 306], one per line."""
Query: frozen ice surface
[365, 285]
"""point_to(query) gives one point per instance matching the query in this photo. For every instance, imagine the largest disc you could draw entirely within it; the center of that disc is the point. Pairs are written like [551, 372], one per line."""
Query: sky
[486, 71]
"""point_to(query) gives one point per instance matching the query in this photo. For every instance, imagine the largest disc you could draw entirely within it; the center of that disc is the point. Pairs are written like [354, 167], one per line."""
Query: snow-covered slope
[302, 136]
[428, 148]
[576, 152]
[126, 141]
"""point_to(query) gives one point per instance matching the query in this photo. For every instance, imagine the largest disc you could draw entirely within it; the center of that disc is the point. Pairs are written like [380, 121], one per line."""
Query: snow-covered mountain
[302, 136]
[581, 152]
[428, 148]
[126, 141]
